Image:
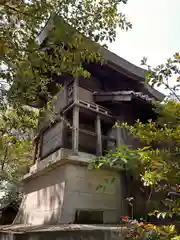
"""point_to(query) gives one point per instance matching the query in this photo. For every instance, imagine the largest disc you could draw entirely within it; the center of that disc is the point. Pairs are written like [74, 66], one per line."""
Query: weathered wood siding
[85, 95]
[91, 83]
[59, 103]
[87, 143]
[52, 139]
[86, 126]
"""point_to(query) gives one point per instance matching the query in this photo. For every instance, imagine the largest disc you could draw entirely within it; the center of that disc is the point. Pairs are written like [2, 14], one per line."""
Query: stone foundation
[71, 232]
[61, 184]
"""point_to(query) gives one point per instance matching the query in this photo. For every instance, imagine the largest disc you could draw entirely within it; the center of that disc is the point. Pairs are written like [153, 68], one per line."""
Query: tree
[157, 164]
[28, 68]
[16, 132]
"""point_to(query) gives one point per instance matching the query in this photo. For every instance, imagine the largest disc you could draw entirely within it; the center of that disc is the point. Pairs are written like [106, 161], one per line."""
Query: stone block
[59, 191]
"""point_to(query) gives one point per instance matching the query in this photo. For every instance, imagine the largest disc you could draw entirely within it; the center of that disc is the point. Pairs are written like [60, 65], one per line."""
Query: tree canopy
[157, 163]
[27, 67]
[16, 134]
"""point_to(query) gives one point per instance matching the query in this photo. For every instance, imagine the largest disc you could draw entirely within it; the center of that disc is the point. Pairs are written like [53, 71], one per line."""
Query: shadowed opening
[88, 217]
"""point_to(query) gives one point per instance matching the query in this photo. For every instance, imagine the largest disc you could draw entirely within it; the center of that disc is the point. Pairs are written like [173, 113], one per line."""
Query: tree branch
[15, 9]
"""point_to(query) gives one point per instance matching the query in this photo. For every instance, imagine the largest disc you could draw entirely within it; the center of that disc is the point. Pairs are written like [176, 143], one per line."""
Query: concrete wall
[55, 197]
[43, 198]
[82, 193]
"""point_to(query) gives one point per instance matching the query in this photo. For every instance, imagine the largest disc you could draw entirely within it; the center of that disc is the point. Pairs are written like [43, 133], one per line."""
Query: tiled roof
[125, 93]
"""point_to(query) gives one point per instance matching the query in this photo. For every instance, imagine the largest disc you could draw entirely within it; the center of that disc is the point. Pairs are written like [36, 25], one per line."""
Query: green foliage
[29, 69]
[122, 158]
[166, 75]
[16, 132]
[158, 164]
[146, 231]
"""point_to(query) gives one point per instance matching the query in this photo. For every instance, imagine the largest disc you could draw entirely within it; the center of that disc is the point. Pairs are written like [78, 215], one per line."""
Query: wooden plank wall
[52, 139]
[85, 95]
[59, 103]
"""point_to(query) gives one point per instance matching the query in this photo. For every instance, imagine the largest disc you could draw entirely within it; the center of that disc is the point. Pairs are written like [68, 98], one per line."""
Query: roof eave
[121, 64]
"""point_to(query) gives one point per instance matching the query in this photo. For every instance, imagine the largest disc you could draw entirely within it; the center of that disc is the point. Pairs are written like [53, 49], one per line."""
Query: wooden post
[64, 132]
[64, 125]
[120, 137]
[75, 132]
[65, 93]
[75, 135]
[39, 147]
[35, 144]
[99, 136]
[76, 90]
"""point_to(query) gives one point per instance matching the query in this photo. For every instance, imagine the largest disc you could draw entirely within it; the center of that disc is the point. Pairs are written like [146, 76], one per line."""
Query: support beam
[64, 131]
[64, 125]
[65, 93]
[76, 90]
[40, 142]
[120, 137]
[35, 149]
[75, 131]
[99, 136]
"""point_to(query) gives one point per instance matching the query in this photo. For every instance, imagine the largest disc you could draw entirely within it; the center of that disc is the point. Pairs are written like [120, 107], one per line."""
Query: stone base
[58, 186]
[66, 232]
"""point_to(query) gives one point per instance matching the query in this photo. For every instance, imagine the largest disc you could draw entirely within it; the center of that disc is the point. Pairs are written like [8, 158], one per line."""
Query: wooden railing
[95, 107]
[90, 105]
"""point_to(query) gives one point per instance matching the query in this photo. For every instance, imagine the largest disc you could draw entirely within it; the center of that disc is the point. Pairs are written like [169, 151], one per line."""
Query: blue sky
[155, 33]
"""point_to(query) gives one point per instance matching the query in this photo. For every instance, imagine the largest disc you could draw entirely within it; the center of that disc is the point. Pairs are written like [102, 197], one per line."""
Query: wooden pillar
[98, 136]
[120, 138]
[118, 134]
[64, 125]
[75, 135]
[39, 151]
[35, 149]
[75, 131]
[64, 131]
[76, 90]
[65, 92]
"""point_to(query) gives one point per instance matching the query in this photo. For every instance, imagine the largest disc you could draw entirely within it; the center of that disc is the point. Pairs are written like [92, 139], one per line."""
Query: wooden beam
[93, 108]
[99, 136]
[110, 98]
[76, 90]
[75, 130]
[35, 148]
[39, 151]
[64, 132]
[65, 93]
[119, 135]
[94, 135]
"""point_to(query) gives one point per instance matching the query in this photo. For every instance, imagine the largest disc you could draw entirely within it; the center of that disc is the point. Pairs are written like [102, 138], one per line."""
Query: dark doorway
[89, 217]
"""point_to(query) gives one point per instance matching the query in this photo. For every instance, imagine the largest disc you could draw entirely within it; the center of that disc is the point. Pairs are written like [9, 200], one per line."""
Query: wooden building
[59, 188]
